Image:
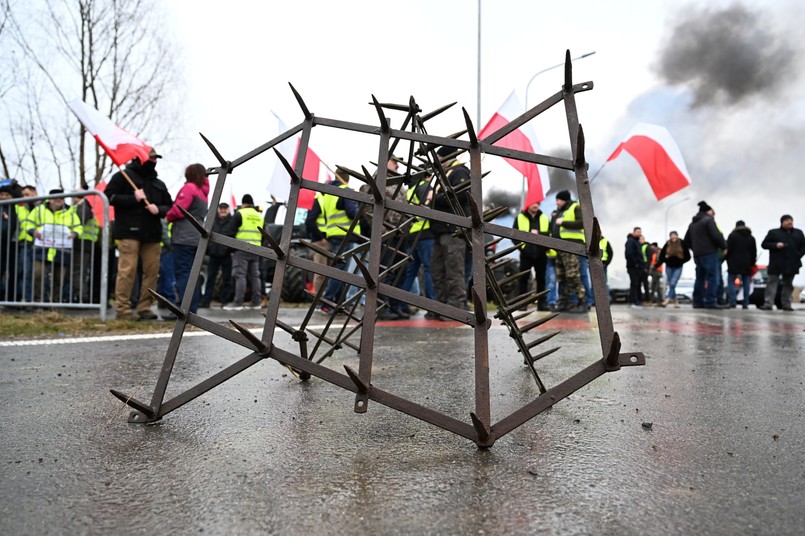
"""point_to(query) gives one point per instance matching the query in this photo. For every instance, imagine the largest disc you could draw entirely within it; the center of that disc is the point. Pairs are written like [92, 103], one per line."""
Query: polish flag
[280, 183]
[522, 139]
[120, 145]
[97, 205]
[659, 156]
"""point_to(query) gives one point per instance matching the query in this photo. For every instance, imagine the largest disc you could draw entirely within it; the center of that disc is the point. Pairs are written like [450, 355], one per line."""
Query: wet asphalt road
[265, 454]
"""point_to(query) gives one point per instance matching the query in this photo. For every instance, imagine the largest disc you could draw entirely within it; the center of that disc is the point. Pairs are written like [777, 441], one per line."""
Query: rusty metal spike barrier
[381, 261]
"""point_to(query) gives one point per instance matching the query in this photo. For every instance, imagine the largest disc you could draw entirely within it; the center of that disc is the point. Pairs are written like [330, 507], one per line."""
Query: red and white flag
[522, 139]
[659, 156]
[280, 183]
[120, 145]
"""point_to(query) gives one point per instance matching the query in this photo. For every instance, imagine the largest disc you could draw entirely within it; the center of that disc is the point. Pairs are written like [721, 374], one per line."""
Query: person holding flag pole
[140, 199]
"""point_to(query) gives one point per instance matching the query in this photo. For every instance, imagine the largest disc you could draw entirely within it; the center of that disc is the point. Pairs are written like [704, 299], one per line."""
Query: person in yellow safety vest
[644, 282]
[422, 252]
[318, 235]
[338, 213]
[246, 266]
[606, 258]
[46, 222]
[86, 259]
[25, 245]
[533, 257]
[569, 226]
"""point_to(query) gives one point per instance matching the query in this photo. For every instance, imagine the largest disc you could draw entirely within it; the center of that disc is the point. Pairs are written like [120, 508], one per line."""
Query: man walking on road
[741, 255]
[786, 247]
[246, 266]
[704, 240]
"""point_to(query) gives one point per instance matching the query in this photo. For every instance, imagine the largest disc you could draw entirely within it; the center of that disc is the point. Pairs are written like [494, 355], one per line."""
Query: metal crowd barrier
[72, 275]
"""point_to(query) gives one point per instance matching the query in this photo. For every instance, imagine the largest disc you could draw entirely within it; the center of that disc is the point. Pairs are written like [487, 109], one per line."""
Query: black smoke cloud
[730, 95]
[726, 55]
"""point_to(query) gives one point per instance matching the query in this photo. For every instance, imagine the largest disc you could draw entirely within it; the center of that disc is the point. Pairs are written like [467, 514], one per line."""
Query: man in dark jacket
[220, 259]
[741, 255]
[786, 247]
[138, 231]
[704, 240]
[447, 264]
[635, 266]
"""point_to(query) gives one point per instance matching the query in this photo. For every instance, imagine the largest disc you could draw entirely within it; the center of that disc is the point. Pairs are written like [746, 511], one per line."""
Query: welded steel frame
[480, 428]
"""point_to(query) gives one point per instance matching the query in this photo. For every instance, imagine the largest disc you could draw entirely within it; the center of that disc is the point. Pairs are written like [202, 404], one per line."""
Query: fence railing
[57, 262]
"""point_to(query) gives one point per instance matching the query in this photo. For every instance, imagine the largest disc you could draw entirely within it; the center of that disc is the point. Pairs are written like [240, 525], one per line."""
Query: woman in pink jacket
[184, 237]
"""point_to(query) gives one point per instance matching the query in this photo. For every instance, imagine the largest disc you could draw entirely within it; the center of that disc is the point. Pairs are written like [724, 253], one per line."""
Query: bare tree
[113, 55]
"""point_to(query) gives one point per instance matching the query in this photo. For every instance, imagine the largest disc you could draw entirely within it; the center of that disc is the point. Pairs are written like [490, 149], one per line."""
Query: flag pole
[596, 173]
[131, 182]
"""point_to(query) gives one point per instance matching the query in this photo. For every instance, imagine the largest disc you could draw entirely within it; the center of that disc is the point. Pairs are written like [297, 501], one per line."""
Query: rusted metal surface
[351, 327]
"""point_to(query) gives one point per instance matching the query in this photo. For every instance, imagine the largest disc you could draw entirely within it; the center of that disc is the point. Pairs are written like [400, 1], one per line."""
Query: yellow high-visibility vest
[337, 221]
[420, 224]
[570, 234]
[524, 224]
[249, 230]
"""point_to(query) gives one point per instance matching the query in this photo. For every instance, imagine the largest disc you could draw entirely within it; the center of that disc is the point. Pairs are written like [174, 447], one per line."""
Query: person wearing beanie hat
[741, 256]
[705, 241]
[568, 225]
[786, 246]
[137, 230]
[246, 223]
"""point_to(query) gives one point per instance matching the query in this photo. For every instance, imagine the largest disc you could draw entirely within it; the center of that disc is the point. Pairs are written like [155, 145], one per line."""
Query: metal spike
[580, 163]
[296, 94]
[539, 341]
[478, 306]
[536, 323]
[502, 253]
[437, 111]
[513, 277]
[475, 216]
[470, 129]
[133, 403]
[611, 360]
[568, 72]
[370, 282]
[272, 243]
[221, 160]
[167, 303]
[258, 344]
[480, 429]
[595, 239]
[294, 177]
[390, 106]
[493, 213]
[362, 387]
[413, 107]
[384, 124]
[545, 354]
[369, 180]
[318, 249]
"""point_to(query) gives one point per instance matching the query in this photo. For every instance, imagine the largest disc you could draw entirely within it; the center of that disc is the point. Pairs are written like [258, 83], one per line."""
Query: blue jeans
[25, 269]
[166, 284]
[335, 288]
[673, 275]
[182, 262]
[550, 280]
[732, 291]
[420, 256]
[584, 273]
[705, 289]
